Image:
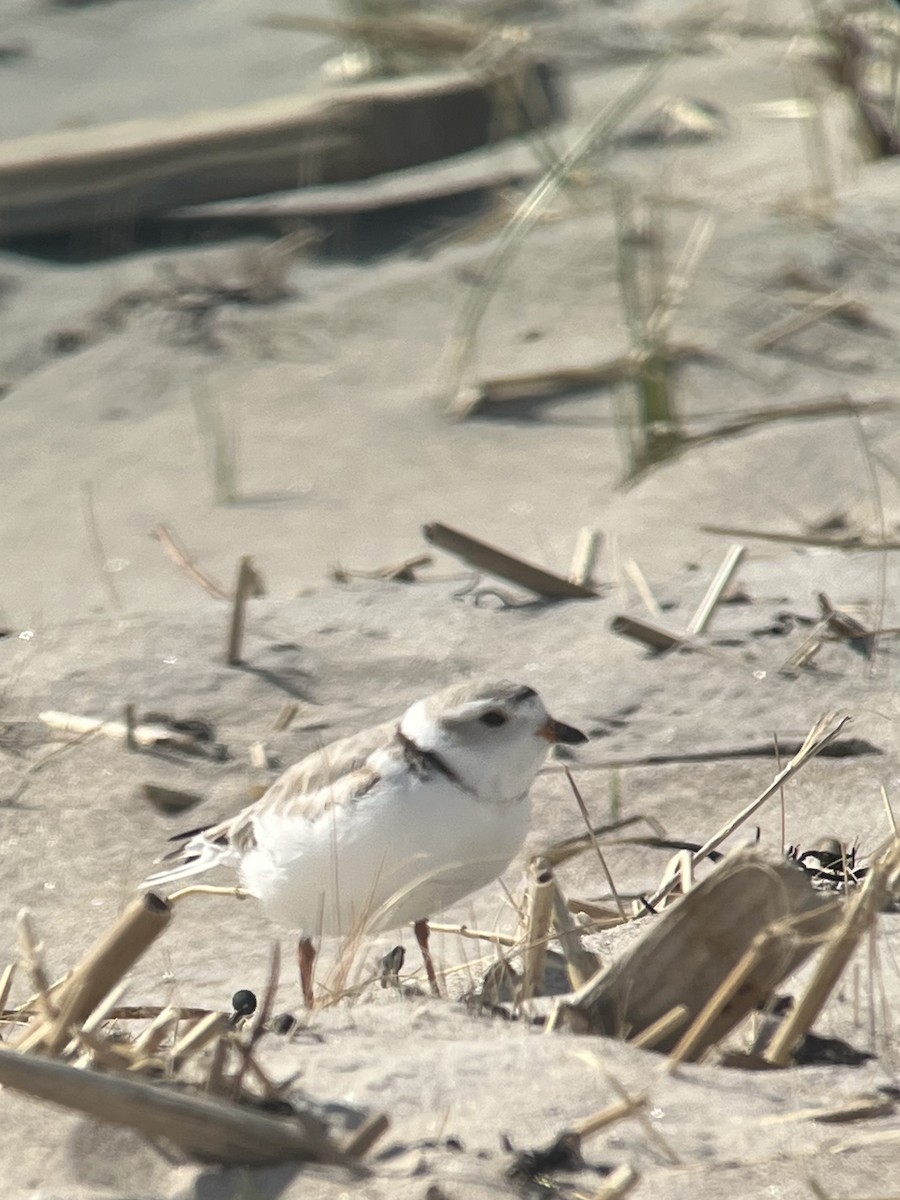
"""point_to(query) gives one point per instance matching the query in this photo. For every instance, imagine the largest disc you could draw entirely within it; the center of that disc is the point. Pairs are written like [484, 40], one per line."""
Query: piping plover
[392, 824]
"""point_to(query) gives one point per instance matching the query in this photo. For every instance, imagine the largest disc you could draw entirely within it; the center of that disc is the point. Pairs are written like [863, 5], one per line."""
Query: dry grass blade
[598, 133]
[825, 730]
[262, 1018]
[579, 799]
[98, 551]
[859, 917]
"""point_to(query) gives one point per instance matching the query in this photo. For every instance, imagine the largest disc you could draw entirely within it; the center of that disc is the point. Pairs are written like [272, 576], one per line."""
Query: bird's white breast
[407, 849]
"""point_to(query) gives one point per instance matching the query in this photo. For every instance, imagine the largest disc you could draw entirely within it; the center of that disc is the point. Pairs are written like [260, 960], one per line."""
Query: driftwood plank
[145, 168]
[207, 1129]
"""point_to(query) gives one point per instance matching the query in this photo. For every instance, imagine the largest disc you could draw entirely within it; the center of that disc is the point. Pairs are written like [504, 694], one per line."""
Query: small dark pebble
[391, 965]
[564, 1154]
[244, 1003]
[816, 1051]
[284, 1023]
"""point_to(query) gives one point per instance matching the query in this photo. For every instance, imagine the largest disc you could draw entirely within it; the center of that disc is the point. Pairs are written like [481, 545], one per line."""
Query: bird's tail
[200, 853]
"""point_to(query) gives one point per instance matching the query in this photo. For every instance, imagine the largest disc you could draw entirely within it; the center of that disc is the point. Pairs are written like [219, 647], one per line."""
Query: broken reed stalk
[243, 590]
[825, 730]
[587, 821]
[639, 630]
[584, 557]
[151, 1038]
[364, 1138]
[618, 1184]
[619, 1111]
[495, 561]
[721, 580]
[537, 926]
[860, 916]
[660, 1030]
[200, 1035]
[581, 963]
[106, 962]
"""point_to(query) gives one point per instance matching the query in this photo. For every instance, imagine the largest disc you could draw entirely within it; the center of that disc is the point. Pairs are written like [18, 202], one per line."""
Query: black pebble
[244, 1003]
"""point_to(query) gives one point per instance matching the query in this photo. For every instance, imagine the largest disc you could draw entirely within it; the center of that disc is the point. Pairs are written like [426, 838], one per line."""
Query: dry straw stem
[478, 935]
[207, 1129]
[722, 579]
[581, 964]
[185, 563]
[365, 1137]
[497, 562]
[582, 807]
[637, 577]
[691, 948]
[859, 916]
[97, 974]
[248, 584]
[617, 1184]
[206, 1030]
[825, 730]
[539, 909]
[6, 982]
[660, 1030]
[596, 136]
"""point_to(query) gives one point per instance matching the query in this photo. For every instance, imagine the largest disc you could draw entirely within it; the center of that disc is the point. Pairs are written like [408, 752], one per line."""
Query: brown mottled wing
[335, 775]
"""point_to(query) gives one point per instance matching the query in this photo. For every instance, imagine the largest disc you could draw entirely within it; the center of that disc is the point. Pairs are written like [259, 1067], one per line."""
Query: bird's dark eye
[493, 718]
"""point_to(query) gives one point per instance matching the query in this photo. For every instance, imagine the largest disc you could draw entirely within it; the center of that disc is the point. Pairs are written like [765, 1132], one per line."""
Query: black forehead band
[523, 693]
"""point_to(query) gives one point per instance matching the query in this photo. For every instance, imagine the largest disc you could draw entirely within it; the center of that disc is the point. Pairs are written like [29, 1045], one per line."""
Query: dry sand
[342, 456]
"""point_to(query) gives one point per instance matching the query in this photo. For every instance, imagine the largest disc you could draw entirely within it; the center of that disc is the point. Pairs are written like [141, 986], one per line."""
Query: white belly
[400, 853]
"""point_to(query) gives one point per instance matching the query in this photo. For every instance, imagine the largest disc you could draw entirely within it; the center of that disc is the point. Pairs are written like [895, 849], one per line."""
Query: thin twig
[185, 563]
